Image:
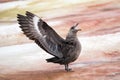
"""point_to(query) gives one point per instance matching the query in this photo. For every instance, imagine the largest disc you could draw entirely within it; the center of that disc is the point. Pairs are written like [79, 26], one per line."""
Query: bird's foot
[69, 69]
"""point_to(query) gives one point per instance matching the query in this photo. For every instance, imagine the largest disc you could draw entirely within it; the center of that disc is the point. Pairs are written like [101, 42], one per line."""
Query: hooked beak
[76, 26]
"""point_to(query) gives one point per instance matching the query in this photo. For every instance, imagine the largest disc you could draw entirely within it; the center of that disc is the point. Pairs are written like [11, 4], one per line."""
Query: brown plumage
[64, 51]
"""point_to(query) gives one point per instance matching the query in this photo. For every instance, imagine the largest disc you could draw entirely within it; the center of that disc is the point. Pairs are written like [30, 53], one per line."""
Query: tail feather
[51, 59]
[54, 60]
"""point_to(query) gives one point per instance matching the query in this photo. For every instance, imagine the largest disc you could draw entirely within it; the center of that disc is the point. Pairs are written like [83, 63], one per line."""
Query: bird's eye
[72, 27]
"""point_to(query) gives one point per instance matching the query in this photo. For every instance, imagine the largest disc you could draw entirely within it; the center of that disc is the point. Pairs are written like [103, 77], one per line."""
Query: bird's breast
[77, 50]
[72, 51]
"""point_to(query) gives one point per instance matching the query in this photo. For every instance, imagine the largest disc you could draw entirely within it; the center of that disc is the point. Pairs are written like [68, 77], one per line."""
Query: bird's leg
[67, 68]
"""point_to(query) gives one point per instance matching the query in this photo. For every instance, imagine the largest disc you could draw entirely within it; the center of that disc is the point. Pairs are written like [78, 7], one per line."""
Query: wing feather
[38, 30]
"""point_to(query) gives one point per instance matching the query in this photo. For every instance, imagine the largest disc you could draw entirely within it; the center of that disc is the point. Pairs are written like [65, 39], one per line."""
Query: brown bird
[64, 51]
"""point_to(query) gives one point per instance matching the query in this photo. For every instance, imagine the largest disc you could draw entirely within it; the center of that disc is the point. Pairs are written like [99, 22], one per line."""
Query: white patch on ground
[106, 43]
[53, 23]
[76, 1]
[10, 5]
[21, 57]
[9, 29]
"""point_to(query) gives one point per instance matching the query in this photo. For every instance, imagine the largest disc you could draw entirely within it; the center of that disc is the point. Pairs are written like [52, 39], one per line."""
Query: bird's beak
[79, 29]
[76, 26]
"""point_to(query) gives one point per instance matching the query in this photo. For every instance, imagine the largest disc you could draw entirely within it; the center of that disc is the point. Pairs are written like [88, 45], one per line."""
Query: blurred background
[100, 39]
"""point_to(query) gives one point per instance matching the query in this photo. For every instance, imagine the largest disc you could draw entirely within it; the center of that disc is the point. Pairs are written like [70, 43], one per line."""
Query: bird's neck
[71, 38]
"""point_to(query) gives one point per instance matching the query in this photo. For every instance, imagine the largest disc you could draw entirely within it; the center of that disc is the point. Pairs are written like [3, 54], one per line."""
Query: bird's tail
[51, 59]
[54, 60]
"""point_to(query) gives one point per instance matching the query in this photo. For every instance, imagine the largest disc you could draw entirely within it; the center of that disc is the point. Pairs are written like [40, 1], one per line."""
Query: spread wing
[38, 30]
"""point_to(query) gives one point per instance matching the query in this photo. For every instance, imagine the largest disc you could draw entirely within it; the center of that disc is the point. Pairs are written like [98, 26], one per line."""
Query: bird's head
[74, 29]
